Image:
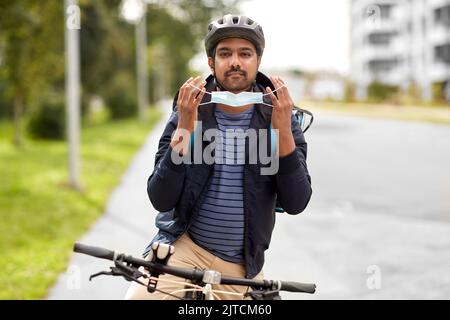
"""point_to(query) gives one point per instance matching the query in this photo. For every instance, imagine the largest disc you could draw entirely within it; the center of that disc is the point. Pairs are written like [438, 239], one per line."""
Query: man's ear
[259, 61]
[211, 65]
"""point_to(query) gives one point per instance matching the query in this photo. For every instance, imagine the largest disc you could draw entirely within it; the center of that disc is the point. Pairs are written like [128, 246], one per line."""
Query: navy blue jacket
[175, 189]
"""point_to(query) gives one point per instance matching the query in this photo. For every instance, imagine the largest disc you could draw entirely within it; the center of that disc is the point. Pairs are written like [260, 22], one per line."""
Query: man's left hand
[281, 115]
[282, 105]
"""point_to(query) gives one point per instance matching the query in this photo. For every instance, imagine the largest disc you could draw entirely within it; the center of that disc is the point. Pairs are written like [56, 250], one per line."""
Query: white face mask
[237, 100]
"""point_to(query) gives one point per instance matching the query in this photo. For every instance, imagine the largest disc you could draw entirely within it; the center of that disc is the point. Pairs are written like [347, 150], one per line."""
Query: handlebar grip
[298, 287]
[94, 251]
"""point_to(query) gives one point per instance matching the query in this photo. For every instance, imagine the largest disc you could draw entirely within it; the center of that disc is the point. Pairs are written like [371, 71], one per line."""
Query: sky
[304, 34]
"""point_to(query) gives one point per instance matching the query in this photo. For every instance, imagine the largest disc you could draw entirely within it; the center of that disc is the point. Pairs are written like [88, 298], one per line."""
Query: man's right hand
[189, 98]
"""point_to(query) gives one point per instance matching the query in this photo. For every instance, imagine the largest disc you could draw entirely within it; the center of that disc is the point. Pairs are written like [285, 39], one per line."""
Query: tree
[33, 53]
[179, 29]
[32, 50]
[175, 32]
[16, 26]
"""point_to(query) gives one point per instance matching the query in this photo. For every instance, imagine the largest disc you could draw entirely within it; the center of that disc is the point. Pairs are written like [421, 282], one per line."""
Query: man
[220, 216]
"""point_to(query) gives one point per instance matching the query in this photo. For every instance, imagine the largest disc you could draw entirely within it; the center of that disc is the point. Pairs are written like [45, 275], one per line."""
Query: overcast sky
[303, 34]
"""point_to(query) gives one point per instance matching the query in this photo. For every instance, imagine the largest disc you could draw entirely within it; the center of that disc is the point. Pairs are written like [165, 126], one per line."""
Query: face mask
[237, 100]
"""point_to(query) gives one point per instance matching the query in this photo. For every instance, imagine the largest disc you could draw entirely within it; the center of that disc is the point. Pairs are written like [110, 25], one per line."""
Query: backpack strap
[273, 142]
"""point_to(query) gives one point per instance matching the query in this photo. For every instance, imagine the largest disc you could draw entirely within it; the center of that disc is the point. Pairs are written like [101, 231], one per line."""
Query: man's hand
[189, 98]
[281, 116]
[160, 252]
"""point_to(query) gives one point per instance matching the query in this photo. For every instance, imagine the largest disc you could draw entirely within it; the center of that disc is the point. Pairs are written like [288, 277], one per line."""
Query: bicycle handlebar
[191, 274]
[94, 251]
[298, 287]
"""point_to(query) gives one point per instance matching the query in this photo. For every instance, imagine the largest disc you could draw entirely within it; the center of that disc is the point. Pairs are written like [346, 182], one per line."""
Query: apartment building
[401, 43]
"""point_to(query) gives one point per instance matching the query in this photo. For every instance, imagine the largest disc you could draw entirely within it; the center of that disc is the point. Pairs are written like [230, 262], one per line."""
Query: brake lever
[114, 272]
[102, 273]
[122, 271]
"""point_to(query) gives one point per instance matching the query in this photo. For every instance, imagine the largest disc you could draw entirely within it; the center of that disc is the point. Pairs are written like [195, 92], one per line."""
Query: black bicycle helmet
[234, 26]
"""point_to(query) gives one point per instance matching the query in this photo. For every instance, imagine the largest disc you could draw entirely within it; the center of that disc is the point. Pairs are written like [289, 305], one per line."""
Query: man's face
[235, 64]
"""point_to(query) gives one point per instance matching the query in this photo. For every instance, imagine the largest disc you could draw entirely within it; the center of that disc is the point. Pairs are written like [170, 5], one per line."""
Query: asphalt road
[377, 226]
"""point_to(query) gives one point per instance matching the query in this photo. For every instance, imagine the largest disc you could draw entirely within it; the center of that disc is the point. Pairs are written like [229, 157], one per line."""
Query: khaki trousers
[190, 255]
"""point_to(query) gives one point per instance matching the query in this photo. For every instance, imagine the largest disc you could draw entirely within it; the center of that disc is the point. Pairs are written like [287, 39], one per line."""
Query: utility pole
[134, 11]
[141, 65]
[72, 70]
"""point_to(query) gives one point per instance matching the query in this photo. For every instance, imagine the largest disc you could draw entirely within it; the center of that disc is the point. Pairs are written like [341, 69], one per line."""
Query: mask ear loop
[266, 94]
[201, 104]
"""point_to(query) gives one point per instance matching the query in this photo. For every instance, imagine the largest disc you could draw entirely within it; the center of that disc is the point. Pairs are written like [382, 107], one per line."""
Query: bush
[438, 92]
[120, 97]
[379, 92]
[48, 121]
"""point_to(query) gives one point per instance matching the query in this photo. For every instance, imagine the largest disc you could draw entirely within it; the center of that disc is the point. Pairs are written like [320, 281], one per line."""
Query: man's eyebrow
[240, 49]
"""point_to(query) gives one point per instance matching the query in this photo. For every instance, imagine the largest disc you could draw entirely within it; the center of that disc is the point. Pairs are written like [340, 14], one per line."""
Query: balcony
[396, 48]
[439, 71]
[438, 3]
[439, 34]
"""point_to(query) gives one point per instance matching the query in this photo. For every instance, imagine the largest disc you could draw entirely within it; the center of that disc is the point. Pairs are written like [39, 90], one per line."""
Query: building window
[380, 38]
[382, 65]
[385, 11]
[442, 16]
[442, 53]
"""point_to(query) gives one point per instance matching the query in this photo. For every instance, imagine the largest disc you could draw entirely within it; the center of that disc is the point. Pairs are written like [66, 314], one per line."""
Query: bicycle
[199, 285]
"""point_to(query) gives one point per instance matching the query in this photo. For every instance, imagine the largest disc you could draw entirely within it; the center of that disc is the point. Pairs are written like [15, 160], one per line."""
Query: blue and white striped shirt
[219, 225]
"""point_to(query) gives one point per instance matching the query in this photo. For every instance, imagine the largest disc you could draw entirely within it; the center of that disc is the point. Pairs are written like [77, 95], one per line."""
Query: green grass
[40, 217]
[439, 114]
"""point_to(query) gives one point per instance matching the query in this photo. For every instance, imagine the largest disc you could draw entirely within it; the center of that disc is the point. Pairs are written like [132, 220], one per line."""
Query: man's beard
[227, 84]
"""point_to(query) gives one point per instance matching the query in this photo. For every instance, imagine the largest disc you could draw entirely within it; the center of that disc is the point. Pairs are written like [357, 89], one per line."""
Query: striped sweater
[219, 225]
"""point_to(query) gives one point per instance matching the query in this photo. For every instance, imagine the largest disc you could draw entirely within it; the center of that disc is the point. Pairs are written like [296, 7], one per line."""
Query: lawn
[40, 217]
